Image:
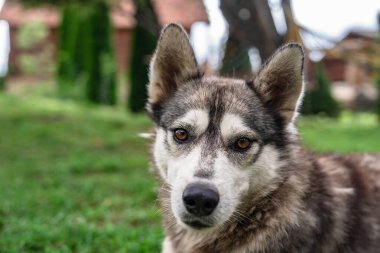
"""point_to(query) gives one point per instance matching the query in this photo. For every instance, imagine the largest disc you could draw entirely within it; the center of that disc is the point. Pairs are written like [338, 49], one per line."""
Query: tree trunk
[251, 22]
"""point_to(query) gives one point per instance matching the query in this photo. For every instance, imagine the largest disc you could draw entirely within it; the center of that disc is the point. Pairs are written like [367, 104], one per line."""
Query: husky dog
[233, 175]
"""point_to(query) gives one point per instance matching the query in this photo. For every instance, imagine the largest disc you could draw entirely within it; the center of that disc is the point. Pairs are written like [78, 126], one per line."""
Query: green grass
[358, 132]
[75, 178]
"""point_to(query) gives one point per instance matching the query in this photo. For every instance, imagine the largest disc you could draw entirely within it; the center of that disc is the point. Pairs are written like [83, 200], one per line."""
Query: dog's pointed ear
[280, 81]
[172, 63]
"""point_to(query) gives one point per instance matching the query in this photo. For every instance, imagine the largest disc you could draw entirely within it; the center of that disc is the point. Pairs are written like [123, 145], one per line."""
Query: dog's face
[219, 140]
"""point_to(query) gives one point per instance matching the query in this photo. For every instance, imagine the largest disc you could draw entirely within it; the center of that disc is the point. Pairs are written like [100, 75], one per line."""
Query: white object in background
[1, 4]
[208, 39]
[4, 47]
[200, 41]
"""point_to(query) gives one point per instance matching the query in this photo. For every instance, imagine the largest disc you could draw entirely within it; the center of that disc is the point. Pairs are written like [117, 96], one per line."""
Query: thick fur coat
[237, 140]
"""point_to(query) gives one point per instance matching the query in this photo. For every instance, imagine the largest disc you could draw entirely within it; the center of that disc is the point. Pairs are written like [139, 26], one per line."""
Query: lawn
[75, 178]
[358, 132]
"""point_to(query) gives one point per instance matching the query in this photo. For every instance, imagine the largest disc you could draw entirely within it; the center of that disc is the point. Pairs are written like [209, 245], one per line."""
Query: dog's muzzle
[200, 200]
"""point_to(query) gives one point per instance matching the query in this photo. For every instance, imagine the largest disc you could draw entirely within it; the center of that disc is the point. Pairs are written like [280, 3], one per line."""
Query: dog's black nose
[200, 199]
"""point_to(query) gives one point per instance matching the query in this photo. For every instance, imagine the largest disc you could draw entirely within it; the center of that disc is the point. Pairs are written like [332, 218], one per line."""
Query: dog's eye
[181, 135]
[242, 144]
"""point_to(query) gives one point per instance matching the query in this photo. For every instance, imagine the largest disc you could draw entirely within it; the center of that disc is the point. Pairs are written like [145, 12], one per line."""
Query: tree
[251, 21]
[144, 42]
[319, 100]
[100, 61]
[378, 97]
[2, 83]
[68, 68]
[251, 24]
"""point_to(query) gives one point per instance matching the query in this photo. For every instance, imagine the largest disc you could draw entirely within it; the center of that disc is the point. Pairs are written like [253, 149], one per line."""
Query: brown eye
[181, 135]
[242, 144]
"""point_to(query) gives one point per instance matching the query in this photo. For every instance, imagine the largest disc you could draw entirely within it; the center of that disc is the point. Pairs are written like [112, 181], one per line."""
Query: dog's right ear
[172, 64]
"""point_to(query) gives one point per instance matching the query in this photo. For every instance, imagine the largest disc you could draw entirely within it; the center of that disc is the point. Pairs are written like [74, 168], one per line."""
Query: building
[350, 65]
[185, 12]
[352, 59]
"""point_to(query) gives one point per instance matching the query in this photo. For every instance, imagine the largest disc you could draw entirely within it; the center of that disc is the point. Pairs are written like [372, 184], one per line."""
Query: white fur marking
[167, 246]
[266, 166]
[341, 190]
[197, 118]
[181, 173]
[232, 124]
[146, 135]
[161, 154]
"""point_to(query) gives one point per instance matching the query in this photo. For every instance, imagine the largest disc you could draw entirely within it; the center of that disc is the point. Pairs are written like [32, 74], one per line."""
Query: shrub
[143, 45]
[378, 97]
[377, 69]
[31, 34]
[99, 56]
[68, 69]
[2, 83]
[320, 100]
[236, 60]
[87, 66]
[36, 51]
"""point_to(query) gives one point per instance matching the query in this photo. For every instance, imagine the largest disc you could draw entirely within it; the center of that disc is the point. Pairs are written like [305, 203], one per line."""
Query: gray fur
[279, 197]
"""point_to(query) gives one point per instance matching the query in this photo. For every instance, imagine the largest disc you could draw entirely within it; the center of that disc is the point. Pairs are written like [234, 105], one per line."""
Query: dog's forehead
[232, 95]
[217, 96]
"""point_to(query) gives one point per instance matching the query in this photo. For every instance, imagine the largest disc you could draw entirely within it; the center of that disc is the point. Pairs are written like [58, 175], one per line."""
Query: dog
[233, 176]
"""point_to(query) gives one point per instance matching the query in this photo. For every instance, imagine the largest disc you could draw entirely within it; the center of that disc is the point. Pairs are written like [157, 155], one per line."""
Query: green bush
[30, 63]
[2, 83]
[378, 98]
[144, 41]
[87, 67]
[100, 62]
[236, 60]
[68, 69]
[143, 46]
[377, 69]
[32, 36]
[319, 100]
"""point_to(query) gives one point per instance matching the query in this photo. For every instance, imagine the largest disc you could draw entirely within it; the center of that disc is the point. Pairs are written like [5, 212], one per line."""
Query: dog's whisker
[146, 135]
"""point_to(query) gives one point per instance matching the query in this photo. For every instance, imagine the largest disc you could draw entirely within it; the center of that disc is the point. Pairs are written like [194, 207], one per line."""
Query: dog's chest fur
[330, 205]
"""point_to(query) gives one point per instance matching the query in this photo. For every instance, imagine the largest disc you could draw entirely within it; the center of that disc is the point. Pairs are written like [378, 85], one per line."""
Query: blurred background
[74, 173]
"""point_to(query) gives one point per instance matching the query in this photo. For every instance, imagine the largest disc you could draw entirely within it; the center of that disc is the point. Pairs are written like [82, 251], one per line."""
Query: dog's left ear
[280, 81]
[172, 64]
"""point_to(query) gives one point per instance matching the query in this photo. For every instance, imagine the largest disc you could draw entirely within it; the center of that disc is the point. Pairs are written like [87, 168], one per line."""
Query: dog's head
[219, 140]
